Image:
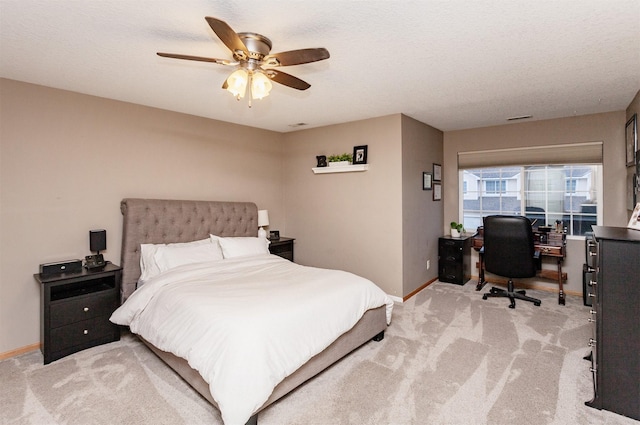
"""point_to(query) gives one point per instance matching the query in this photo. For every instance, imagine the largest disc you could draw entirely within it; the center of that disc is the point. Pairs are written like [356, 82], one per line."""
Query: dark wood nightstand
[75, 310]
[282, 247]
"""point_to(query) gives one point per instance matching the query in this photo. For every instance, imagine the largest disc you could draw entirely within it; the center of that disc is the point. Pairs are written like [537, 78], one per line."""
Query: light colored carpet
[448, 358]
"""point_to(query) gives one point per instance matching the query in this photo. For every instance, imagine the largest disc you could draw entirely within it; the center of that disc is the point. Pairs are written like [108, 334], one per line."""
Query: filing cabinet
[454, 259]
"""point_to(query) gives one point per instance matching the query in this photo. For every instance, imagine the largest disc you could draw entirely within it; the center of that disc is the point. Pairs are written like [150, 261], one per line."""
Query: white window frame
[599, 187]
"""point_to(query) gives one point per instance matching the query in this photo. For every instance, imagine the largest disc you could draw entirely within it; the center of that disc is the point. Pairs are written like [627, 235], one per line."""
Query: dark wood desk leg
[481, 281]
[561, 299]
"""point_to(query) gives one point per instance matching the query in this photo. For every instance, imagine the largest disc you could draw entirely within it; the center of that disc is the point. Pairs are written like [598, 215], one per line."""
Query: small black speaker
[97, 240]
[68, 266]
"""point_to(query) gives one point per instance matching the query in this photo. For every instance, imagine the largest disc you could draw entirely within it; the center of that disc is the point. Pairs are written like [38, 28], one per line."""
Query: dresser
[614, 288]
[75, 310]
[282, 247]
[454, 259]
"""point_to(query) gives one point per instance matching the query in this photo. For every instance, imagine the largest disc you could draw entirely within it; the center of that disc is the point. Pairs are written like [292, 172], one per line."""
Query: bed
[154, 221]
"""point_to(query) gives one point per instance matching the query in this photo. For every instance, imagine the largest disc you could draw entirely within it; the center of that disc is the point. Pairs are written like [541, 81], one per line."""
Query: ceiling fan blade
[226, 34]
[287, 79]
[197, 58]
[297, 57]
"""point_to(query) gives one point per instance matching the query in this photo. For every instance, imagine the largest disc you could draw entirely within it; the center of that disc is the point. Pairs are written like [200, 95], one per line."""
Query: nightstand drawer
[82, 333]
[82, 308]
[282, 250]
[282, 247]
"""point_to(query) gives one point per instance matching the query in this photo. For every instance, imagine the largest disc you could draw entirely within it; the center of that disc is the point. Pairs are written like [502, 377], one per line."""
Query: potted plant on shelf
[339, 160]
[456, 229]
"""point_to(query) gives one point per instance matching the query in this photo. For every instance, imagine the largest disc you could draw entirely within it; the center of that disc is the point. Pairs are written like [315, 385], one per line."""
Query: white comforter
[246, 323]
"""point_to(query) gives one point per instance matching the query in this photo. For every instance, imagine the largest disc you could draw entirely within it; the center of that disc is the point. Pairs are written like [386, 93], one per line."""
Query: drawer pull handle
[86, 332]
[592, 295]
[592, 311]
[85, 309]
[591, 320]
[592, 342]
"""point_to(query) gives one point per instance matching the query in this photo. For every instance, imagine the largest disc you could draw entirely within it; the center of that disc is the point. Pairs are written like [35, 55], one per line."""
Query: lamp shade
[263, 218]
[260, 85]
[237, 82]
[97, 240]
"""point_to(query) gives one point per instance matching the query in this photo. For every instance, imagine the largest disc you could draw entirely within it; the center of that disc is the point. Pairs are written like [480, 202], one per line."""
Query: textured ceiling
[450, 64]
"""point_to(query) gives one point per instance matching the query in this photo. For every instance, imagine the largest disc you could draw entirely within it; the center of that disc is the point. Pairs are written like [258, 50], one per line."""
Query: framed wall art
[427, 181]
[631, 139]
[437, 172]
[437, 192]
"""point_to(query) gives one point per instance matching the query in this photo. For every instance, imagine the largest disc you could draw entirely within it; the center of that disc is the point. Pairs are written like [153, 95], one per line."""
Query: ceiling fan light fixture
[237, 83]
[260, 85]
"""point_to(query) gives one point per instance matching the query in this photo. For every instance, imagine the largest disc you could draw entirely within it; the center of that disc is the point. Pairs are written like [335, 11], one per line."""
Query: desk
[553, 251]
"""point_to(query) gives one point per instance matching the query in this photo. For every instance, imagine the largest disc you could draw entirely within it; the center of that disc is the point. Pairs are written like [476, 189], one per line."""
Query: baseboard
[406, 297]
[18, 351]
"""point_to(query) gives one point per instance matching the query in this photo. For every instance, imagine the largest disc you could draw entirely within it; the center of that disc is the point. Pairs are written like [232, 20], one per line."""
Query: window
[570, 185]
[494, 187]
[544, 193]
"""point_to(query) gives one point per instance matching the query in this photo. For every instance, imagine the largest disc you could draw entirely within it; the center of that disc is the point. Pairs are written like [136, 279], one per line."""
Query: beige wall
[634, 108]
[66, 161]
[378, 223]
[608, 128]
[348, 221]
[421, 215]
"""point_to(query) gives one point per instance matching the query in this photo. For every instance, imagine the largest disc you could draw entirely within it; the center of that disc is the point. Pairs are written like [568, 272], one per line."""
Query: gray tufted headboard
[168, 221]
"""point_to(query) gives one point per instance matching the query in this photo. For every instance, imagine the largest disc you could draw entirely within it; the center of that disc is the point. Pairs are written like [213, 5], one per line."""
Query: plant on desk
[456, 229]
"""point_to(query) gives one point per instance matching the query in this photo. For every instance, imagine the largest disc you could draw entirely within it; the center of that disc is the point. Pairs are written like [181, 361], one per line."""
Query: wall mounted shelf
[343, 169]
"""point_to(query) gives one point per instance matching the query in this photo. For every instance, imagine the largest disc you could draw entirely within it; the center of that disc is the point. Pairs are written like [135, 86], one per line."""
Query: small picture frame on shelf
[437, 191]
[437, 172]
[274, 235]
[360, 154]
[631, 139]
[427, 181]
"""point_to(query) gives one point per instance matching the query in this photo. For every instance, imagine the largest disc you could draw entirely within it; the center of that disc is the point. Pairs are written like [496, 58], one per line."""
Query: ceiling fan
[254, 63]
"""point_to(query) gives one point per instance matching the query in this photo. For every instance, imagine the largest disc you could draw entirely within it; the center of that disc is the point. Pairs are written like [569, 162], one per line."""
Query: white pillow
[242, 246]
[148, 266]
[170, 256]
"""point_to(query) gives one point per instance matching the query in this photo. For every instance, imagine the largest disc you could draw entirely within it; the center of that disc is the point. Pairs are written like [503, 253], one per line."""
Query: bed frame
[167, 221]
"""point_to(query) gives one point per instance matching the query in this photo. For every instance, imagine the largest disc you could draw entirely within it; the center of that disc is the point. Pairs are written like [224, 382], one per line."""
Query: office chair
[508, 251]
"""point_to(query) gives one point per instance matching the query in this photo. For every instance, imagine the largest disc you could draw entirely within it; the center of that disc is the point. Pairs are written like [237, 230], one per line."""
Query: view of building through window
[544, 194]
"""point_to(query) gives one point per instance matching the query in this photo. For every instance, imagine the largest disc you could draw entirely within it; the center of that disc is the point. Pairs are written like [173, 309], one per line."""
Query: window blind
[575, 153]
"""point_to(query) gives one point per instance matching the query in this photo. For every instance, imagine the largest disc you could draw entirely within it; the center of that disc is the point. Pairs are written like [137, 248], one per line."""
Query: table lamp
[263, 220]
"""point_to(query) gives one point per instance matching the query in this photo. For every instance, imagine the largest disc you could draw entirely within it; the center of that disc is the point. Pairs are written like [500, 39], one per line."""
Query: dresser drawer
[82, 333]
[85, 307]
